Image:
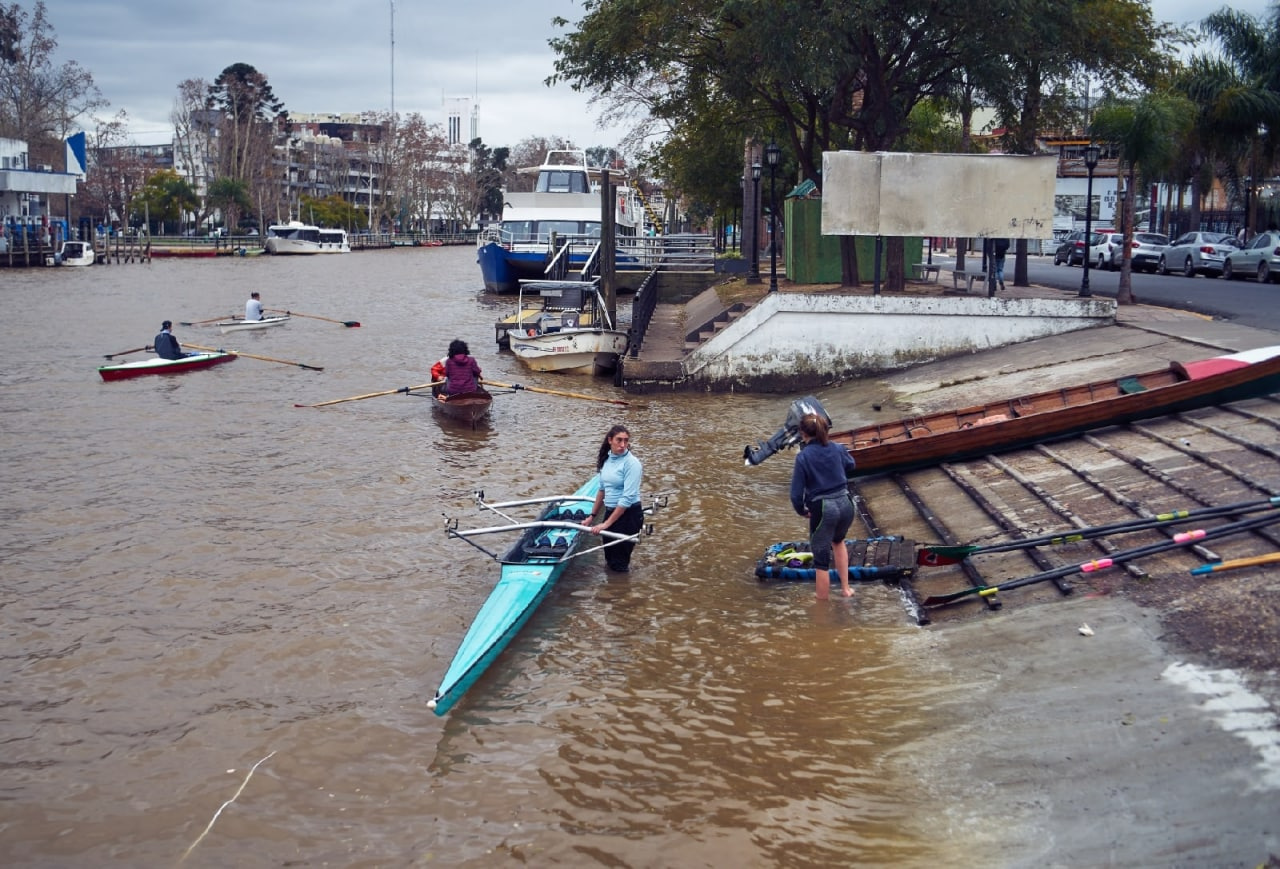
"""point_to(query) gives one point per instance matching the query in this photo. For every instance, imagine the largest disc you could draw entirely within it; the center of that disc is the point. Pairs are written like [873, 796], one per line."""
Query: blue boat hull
[526, 580]
[503, 269]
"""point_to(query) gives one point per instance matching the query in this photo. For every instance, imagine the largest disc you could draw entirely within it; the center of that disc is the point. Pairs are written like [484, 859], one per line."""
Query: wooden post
[608, 246]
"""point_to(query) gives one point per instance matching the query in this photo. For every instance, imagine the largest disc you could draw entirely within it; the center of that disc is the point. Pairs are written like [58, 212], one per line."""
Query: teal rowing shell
[523, 585]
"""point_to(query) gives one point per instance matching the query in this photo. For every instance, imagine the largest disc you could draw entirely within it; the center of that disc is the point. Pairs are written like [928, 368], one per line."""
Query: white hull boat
[296, 237]
[77, 253]
[572, 333]
[248, 325]
[572, 351]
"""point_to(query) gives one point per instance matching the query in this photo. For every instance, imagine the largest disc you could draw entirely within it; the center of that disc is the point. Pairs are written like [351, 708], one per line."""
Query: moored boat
[163, 366]
[296, 237]
[242, 325]
[77, 253]
[953, 435]
[572, 336]
[565, 203]
[529, 569]
[466, 407]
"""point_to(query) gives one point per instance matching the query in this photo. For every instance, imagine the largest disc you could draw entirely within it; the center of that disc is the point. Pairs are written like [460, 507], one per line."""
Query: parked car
[1071, 249]
[1101, 251]
[1259, 258]
[1146, 247]
[1196, 253]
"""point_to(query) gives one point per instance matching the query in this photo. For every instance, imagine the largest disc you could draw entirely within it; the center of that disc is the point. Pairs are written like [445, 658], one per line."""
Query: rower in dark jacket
[820, 491]
[167, 346]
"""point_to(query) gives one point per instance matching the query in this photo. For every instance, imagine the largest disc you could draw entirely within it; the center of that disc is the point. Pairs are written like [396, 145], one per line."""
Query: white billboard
[884, 193]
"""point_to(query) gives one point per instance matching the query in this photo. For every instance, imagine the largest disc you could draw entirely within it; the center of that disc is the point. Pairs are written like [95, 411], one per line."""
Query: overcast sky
[336, 56]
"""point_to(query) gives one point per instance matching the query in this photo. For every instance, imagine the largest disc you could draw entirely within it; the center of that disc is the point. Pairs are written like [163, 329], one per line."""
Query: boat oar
[210, 320]
[127, 352]
[1255, 560]
[1184, 539]
[935, 555]
[252, 356]
[404, 389]
[350, 324]
[515, 386]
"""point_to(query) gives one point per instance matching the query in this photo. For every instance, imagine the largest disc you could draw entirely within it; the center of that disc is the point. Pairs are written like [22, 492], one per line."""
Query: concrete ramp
[791, 342]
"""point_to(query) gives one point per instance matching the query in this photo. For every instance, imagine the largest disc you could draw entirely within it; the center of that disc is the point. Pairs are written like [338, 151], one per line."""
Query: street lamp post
[1091, 163]
[737, 219]
[772, 153]
[753, 276]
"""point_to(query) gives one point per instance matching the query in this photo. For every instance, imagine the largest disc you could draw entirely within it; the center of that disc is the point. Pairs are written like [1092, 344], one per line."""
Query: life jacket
[437, 370]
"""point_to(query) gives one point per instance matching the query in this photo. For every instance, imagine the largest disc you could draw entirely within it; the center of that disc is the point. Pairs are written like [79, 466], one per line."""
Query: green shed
[814, 258]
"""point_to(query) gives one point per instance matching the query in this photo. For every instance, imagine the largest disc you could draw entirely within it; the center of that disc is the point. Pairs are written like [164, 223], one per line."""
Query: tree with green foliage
[231, 197]
[164, 198]
[250, 111]
[1146, 132]
[1238, 93]
[478, 187]
[818, 77]
[332, 210]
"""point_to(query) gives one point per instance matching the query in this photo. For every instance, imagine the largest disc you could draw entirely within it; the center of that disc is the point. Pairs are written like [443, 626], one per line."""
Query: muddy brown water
[199, 577]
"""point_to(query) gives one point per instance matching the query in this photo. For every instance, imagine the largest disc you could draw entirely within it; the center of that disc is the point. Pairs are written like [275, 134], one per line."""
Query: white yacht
[296, 237]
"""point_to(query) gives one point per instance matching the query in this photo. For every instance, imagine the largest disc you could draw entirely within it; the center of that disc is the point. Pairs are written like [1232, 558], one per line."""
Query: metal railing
[642, 308]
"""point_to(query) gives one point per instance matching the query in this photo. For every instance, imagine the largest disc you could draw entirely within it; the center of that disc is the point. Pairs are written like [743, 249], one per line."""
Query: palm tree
[1245, 91]
[1146, 132]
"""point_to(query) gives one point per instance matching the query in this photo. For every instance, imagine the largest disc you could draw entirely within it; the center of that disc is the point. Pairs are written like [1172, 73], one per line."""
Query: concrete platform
[739, 336]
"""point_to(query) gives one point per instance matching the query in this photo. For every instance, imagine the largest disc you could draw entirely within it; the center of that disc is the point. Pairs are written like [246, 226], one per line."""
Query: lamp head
[755, 171]
[1091, 156]
[772, 153]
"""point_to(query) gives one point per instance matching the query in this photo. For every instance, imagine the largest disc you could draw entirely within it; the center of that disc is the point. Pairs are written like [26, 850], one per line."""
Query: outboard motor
[789, 434]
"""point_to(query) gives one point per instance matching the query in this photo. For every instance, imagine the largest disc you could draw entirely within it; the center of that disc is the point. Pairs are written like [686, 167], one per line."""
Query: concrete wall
[792, 342]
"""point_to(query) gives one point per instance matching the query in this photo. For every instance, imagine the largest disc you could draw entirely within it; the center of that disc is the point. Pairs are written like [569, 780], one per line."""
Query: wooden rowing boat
[163, 366]
[529, 569]
[953, 435]
[247, 325]
[466, 407]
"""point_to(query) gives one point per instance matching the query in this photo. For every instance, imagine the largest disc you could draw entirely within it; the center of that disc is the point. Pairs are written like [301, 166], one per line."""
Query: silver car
[1146, 247]
[1196, 253]
[1259, 259]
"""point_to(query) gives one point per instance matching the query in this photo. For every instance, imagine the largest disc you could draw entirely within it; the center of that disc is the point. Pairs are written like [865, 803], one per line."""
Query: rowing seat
[543, 547]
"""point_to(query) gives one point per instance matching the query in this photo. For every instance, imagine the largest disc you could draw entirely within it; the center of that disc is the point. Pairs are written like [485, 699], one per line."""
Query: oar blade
[939, 599]
[936, 556]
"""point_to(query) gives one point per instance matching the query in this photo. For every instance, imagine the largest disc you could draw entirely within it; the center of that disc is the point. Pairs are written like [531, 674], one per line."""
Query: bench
[969, 277]
[921, 271]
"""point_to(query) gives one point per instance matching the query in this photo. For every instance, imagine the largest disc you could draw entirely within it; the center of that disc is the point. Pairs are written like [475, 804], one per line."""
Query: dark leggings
[829, 521]
[618, 556]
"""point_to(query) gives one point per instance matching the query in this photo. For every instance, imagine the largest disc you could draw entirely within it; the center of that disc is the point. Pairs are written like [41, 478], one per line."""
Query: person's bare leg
[822, 578]
[840, 551]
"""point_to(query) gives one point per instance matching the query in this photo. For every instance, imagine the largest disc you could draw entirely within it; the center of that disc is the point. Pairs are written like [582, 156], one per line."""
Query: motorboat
[564, 209]
[77, 253]
[296, 237]
[572, 334]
